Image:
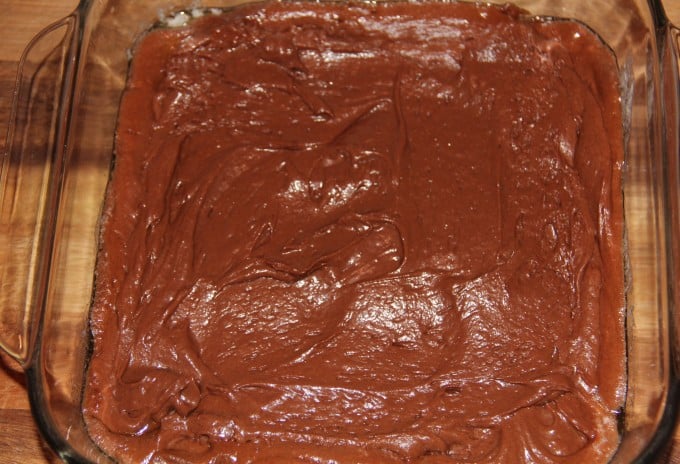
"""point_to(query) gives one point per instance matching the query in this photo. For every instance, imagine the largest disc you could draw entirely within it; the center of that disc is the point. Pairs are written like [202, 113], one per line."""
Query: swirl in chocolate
[362, 233]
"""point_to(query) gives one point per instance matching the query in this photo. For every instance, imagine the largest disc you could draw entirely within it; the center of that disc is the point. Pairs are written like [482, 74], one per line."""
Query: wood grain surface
[20, 442]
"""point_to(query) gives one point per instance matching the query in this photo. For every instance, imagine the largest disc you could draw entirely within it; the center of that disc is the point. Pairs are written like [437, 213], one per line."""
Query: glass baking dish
[54, 175]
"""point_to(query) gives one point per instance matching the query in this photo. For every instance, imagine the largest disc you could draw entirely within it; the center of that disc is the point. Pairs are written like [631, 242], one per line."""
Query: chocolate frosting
[362, 233]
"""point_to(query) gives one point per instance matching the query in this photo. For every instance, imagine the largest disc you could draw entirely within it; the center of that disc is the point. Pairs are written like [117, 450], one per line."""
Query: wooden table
[19, 440]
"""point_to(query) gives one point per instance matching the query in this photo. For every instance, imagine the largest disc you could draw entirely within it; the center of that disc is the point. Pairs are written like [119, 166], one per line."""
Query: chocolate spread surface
[362, 233]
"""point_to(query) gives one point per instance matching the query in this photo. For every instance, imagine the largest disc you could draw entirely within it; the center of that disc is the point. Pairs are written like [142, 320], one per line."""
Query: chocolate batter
[362, 233]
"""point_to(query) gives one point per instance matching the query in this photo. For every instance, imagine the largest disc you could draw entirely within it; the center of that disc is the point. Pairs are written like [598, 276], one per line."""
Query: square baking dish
[54, 176]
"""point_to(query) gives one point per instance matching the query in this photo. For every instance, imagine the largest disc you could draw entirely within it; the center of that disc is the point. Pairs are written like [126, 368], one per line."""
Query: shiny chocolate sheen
[362, 233]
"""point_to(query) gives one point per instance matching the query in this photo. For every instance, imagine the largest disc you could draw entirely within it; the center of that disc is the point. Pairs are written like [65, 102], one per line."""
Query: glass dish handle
[671, 88]
[30, 180]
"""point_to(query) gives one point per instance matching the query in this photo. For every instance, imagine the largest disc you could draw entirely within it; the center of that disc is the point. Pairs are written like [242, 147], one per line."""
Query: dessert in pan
[362, 233]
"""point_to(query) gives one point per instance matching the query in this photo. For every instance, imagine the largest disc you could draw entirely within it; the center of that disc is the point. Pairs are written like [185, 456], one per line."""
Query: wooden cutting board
[20, 442]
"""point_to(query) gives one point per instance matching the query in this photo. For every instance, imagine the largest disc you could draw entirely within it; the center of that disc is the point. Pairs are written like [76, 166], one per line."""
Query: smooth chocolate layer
[362, 233]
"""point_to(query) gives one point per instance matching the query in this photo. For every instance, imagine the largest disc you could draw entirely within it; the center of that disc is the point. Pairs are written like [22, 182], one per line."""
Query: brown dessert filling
[362, 233]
